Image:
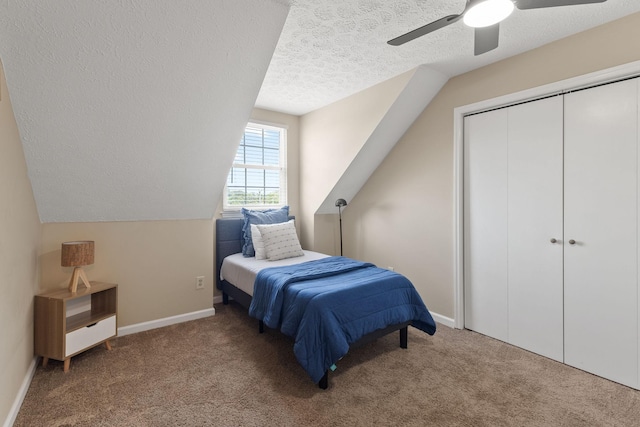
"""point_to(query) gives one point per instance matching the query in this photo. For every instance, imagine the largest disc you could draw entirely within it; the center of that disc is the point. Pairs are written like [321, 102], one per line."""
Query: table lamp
[77, 254]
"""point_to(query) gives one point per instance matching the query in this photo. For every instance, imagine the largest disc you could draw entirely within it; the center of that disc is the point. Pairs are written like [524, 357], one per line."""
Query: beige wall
[154, 263]
[403, 216]
[19, 243]
[330, 138]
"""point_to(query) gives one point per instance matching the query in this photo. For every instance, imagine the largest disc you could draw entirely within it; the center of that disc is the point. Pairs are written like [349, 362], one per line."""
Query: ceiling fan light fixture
[487, 12]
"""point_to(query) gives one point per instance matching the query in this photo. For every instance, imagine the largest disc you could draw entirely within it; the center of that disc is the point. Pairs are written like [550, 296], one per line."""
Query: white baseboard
[446, 321]
[22, 392]
[217, 299]
[159, 323]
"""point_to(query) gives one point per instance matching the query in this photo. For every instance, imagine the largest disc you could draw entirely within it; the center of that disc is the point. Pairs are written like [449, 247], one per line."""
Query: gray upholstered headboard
[229, 240]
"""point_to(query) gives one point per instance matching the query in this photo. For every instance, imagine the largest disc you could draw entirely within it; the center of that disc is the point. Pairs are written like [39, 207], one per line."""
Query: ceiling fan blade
[486, 39]
[425, 29]
[539, 4]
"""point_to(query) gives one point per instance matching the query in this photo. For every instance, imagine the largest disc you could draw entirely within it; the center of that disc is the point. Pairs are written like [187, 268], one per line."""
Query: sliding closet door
[601, 231]
[485, 223]
[535, 227]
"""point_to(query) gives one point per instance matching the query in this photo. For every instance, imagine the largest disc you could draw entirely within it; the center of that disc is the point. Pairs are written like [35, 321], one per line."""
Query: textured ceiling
[133, 109]
[330, 49]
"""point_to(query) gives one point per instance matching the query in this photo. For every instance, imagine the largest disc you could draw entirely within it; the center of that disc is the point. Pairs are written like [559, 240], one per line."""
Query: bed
[322, 334]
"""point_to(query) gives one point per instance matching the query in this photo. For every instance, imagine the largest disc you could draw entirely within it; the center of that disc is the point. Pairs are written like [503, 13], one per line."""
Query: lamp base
[78, 273]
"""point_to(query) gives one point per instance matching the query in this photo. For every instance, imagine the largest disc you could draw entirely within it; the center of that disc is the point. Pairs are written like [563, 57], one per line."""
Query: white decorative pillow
[280, 240]
[258, 243]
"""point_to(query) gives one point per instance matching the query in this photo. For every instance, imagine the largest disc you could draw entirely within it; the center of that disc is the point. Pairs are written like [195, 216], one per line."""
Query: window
[258, 176]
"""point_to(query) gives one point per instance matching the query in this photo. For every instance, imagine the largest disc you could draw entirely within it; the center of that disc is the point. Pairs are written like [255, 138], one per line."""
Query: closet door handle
[572, 242]
[553, 240]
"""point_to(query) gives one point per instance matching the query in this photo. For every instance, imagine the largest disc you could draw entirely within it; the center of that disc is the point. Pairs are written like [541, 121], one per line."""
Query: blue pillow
[271, 216]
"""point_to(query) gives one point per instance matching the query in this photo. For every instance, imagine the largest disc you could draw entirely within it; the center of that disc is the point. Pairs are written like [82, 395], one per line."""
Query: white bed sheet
[241, 271]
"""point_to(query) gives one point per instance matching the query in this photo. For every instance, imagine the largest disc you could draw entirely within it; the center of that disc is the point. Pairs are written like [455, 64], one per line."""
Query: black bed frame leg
[225, 298]
[324, 381]
[403, 337]
[260, 326]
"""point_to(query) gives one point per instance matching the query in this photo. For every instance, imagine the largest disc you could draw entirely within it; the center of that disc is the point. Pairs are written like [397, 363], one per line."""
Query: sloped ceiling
[421, 88]
[132, 109]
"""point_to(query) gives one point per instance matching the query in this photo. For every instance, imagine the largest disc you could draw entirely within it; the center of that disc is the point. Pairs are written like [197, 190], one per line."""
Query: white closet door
[601, 216]
[485, 225]
[535, 218]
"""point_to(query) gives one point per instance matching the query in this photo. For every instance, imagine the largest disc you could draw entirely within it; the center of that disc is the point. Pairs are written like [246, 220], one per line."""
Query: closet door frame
[599, 77]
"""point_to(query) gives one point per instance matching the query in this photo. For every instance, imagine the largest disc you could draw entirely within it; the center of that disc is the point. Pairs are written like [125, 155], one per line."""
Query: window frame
[282, 168]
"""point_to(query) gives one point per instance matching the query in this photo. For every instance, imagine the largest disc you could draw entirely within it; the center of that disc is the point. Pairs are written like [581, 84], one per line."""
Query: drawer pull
[93, 324]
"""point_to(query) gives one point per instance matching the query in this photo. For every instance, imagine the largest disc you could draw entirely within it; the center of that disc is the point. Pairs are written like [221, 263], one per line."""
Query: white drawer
[88, 336]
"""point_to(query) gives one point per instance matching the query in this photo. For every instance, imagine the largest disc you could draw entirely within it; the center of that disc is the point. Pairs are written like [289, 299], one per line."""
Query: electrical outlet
[200, 282]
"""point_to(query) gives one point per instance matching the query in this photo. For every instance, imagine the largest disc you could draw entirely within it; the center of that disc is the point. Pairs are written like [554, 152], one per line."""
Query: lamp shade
[75, 254]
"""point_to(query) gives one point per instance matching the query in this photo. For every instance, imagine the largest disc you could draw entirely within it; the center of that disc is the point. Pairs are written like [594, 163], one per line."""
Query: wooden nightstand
[69, 323]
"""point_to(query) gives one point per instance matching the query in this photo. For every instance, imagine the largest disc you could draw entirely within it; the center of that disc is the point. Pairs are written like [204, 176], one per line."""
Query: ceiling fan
[485, 17]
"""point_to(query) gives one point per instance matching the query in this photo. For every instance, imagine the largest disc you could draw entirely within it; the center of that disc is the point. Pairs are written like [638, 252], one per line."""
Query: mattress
[241, 271]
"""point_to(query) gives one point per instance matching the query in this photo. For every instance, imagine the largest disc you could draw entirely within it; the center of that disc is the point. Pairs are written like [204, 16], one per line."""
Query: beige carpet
[220, 372]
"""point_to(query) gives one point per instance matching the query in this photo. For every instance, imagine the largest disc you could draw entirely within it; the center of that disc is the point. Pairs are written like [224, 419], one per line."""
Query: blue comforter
[328, 304]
